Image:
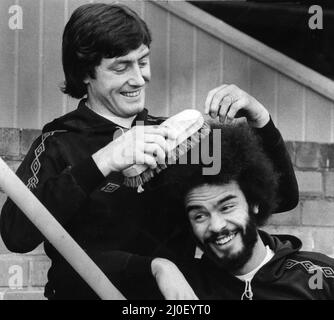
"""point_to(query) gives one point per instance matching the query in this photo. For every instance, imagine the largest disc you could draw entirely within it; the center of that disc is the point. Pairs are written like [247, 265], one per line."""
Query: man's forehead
[211, 193]
[143, 50]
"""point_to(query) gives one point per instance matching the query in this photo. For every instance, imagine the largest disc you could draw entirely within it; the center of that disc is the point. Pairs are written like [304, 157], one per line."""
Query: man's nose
[217, 223]
[137, 77]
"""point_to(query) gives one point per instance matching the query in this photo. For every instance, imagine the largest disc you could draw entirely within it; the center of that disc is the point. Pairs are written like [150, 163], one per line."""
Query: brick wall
[312, 220]
[22, 276]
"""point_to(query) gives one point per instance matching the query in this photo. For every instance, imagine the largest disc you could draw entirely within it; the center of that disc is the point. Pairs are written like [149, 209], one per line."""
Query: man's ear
[88, 77]
[255, 208]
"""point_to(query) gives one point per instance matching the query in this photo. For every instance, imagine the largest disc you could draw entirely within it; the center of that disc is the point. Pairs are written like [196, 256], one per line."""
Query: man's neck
[258, 255]
[123, 122]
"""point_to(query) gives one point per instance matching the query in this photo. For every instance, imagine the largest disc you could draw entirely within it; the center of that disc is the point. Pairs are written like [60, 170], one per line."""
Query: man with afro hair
[225, 211]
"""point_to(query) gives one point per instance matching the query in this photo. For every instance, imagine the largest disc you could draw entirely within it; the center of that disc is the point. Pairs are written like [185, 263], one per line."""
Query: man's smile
[221, 240]
[131, 94]
[225, 239]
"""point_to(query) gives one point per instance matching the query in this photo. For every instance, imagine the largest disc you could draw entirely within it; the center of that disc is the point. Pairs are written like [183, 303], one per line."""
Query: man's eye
[143, 63]
[227, 207]
[199, 217]
[120, 68]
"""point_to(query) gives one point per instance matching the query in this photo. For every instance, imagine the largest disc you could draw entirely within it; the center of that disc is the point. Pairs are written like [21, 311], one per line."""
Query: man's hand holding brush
[139, 145]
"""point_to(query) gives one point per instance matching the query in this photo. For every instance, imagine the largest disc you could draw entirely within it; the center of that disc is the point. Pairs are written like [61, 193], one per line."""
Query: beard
[235, 261]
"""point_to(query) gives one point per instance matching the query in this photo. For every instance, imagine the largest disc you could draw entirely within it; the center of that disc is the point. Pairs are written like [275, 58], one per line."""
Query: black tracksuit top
[290, 274]
[117, 226]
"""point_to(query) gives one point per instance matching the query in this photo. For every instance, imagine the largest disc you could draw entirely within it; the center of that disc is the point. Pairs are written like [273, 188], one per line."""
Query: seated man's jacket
[290, 275]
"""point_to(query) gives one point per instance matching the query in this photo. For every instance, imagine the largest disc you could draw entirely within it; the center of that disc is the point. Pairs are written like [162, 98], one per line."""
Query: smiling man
[232, 239]
[225, 211]
[75, 166]
[118, 86]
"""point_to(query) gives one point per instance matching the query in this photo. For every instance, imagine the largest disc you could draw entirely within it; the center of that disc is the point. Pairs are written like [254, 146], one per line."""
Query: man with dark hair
[97, 32]
[224, 211]
[75, 166]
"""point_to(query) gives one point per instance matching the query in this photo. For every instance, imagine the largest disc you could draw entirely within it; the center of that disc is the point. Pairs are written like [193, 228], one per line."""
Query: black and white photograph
[155, 150]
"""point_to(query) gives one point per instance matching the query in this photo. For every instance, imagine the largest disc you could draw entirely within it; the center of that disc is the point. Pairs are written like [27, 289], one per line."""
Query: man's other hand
[230, 102]
[171, 281]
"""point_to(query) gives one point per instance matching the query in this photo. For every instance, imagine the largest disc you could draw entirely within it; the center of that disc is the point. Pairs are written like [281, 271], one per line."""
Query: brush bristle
[174, 155]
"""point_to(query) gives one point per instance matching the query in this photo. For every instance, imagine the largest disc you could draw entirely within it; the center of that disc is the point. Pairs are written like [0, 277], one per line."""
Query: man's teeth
[131, 94]
[224, 239]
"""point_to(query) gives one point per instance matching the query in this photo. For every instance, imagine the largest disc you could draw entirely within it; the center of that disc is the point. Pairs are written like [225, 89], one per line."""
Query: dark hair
[242, 159]
[97, 31]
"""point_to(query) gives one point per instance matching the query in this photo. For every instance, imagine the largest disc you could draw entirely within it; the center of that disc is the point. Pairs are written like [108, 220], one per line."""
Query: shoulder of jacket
[50, 133]
[311, 261]
[39, 144]
[47, 134]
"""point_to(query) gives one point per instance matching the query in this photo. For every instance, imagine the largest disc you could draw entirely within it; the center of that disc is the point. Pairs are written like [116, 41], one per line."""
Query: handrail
[56, 234]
